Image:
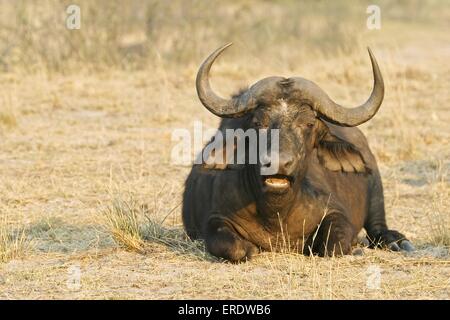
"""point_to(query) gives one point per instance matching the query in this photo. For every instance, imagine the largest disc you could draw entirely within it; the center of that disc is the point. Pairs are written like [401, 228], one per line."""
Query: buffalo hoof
[358, 252]
[364, 241]
[242, 251]
[223, 243]
[394, 241]
[405, 245]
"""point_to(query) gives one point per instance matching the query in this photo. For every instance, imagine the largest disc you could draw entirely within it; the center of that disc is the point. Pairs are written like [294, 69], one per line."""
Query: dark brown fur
[336, 187]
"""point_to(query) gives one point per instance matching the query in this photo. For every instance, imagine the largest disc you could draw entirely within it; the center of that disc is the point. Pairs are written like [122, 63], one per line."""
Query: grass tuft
[132, 226]
[174, 238]
[122, 219]
[438, 217]
[439, 227]
[8, 119]
[13, 242]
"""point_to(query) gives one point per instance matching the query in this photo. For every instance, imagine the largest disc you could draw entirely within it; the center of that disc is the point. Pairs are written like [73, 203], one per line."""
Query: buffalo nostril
[287, 164]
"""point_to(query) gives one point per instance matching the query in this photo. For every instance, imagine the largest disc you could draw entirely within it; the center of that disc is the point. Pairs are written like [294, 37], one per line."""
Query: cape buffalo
[327, 186]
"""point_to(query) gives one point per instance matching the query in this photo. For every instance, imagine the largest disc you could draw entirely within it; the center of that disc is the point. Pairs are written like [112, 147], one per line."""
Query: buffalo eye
[259, 122]
[256, 123]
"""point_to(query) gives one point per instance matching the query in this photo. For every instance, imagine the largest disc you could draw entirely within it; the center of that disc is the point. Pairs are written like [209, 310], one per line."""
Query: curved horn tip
[350, 118]
[213, 56]
[214, 103]
[224, 47]
[371, 55]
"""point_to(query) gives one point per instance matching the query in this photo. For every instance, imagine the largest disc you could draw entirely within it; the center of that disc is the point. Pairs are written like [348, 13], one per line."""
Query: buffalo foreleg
[334, 236]
[223, 242]
[377, 231]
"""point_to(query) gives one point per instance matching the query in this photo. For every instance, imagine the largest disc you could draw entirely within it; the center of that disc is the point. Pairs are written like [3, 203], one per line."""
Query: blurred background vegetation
[131, 34]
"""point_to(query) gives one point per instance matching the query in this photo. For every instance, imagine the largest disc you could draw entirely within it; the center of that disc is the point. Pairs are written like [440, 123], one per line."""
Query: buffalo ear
[339, 155]
[215, 159]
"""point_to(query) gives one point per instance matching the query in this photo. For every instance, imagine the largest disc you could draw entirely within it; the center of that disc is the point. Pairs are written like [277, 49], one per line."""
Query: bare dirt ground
[72, 144]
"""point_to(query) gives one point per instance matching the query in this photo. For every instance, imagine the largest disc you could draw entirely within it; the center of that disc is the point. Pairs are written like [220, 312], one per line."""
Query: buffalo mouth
[277, 183]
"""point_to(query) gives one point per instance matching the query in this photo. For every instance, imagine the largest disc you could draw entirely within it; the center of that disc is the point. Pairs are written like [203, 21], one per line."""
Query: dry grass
[439, 210]
[440, 229]
[173, 238]
[13, 242]
[8, 118]
[82, 111]
[122, 220]
[133, 227]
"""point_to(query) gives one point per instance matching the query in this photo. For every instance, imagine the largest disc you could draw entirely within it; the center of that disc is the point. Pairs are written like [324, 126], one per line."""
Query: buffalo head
[303, 113]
